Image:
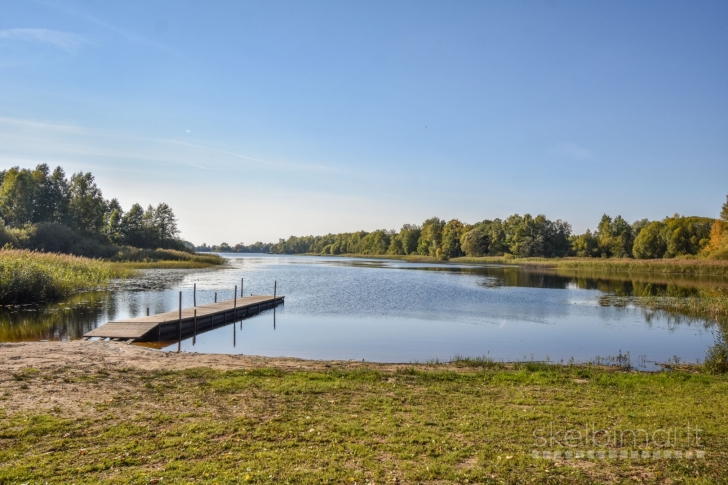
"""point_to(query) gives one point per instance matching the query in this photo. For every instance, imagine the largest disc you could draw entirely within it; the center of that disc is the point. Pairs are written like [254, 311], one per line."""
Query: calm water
[392, 311]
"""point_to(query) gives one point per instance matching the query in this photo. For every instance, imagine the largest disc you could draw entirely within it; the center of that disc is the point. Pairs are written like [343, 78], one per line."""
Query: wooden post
[194, 294]
[147, 311]
[275, 283]
[241, 287]
[179, 325]
[216, 297]
[194, 336]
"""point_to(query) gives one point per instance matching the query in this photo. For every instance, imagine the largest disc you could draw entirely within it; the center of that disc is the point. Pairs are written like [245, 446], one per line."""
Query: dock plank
[137, 328]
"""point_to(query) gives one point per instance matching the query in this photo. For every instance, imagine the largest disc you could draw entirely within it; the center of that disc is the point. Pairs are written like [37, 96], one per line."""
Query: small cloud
[62, 40]
[572, 150]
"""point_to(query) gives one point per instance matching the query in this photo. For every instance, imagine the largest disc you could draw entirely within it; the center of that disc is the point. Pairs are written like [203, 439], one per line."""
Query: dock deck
[169, 325]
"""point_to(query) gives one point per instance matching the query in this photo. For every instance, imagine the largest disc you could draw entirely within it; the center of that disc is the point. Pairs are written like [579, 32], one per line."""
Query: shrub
[716, 359]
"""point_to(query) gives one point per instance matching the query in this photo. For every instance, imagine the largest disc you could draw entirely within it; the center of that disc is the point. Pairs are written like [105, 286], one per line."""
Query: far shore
[680, 266]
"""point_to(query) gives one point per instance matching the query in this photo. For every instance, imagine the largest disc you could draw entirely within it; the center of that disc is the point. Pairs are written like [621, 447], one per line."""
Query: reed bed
[132, 265]
[692, 266]
[707, 303]
[661, 266]
[28, 276]
[165, 258]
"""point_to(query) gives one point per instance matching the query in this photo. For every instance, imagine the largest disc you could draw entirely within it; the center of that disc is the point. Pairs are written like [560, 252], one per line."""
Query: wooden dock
[169, 325]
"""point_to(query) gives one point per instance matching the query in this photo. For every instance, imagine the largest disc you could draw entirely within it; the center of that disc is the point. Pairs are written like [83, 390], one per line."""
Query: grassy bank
[412, 258]
[164, 258]
[411, 425]
[692, 266]
[653, 266]
[27, 276]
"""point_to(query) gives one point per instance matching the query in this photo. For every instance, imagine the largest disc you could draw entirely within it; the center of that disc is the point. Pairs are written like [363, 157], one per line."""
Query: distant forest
[519, 236]
[45, 211]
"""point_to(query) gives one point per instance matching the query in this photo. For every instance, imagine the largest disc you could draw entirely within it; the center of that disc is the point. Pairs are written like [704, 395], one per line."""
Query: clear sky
[259, 120]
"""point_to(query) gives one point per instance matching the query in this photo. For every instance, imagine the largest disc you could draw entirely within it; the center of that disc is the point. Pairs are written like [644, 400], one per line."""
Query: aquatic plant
[706, 303]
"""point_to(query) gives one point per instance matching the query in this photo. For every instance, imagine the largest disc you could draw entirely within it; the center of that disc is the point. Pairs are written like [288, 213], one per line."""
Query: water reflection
[397, 311]
[62, 321]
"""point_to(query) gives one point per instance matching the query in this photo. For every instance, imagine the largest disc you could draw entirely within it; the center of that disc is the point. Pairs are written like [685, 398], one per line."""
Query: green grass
[27, 276]
[411, 425]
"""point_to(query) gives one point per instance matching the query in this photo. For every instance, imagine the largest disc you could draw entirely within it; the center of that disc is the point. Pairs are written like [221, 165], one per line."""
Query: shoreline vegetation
[134, 258]
[59, 236]
[676, 266]
[518, 237]
[31, 277]
[151, 417]
[27, 276]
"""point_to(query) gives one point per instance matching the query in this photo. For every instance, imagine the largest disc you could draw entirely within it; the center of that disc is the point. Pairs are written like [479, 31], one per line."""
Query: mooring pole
[179, 325]
[275, 283]
[235, 307]
[147, 311]
[194, 337]
[241, 287]
[216, 297]
[194, 295]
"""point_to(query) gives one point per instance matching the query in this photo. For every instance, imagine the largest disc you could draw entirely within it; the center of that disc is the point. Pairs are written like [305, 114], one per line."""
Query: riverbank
[676, 266]
[95, 412]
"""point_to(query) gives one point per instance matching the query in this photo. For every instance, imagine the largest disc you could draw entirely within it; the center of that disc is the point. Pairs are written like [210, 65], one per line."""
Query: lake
[396, 311]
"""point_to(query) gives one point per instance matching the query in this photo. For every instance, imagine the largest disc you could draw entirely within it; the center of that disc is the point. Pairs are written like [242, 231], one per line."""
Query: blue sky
[258, 120]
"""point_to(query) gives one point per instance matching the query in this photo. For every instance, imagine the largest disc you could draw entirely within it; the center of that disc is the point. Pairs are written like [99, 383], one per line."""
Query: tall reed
[687, 266]
[28, 276]
[144, 256]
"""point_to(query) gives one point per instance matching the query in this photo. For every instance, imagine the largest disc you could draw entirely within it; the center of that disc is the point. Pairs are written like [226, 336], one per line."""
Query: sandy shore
[98, 355]
[72, 363]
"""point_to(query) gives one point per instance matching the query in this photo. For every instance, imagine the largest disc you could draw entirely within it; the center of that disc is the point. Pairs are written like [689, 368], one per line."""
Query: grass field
[409, 425]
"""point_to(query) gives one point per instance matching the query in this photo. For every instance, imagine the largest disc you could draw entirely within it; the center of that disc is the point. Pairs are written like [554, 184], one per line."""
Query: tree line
[46, 211]
[519, 236]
